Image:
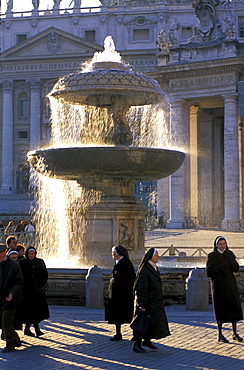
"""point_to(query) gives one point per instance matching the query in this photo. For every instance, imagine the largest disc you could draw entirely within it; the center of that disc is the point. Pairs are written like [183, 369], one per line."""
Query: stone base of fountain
[68, 286]
[114, 220]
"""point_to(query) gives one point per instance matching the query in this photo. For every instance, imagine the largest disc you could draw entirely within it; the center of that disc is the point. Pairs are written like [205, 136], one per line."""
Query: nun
[221, 265]
[149, 299]
[35, 308]
[120, 305]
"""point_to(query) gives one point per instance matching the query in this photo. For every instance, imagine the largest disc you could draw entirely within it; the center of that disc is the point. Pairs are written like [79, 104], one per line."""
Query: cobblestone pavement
[78, 338]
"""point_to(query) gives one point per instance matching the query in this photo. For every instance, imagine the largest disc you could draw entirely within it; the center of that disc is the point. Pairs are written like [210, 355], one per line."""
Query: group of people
[135, 298]
[23, 278]
[24, 230]
[147, 316]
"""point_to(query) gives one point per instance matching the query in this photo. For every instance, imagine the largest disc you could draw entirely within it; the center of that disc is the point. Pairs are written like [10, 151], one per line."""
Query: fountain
[106, 161]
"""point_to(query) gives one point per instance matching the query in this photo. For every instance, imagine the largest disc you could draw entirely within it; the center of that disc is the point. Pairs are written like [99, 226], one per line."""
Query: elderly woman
[149, 299]
[35, 308]
[221, 264]
[119, 309]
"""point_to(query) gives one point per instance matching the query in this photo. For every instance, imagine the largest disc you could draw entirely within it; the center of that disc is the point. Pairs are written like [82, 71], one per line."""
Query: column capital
[177, 102]
[194, 109]
[230, 97]
[7, 85]
[35, 84]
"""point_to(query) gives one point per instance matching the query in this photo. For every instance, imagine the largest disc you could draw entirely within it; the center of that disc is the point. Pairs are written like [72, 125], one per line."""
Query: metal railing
[26, 238]
[205, 222]
[235, 225]
[173, 251]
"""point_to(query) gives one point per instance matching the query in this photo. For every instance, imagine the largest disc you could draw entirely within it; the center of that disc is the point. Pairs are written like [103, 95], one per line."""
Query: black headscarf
[121, 251]
[217, 240]
[148, 255]
[28, 249]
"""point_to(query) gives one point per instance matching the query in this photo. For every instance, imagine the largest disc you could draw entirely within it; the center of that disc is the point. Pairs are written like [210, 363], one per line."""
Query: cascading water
[107, 134]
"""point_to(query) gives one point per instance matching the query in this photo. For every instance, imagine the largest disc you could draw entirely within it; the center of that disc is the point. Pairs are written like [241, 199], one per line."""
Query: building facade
[194, 49]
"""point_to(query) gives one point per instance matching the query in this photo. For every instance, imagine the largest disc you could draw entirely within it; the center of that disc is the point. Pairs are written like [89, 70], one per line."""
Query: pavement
[78, 338]
[189, 240]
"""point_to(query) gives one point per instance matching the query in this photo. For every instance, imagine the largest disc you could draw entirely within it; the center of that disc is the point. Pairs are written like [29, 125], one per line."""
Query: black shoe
[7, 349]
[237, 338]
[116, 337]
[39, 332]
[28, 332]
[222, 339]
[18, 344]
[148, 343]
[138, 349]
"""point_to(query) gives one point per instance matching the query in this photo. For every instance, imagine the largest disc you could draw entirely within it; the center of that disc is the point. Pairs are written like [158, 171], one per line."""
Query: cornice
[201, 69]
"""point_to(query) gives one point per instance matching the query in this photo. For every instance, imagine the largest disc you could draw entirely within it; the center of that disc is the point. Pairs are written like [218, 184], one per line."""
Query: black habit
[35, 308]
[225, 296]
[149, 295]
[120, 306]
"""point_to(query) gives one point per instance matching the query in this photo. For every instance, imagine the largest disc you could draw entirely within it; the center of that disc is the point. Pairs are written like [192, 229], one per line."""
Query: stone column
[218, 178]
[205, 165]
[178, 198]
[231, 161]
[7, 139]
[193, 162]
[35, 113]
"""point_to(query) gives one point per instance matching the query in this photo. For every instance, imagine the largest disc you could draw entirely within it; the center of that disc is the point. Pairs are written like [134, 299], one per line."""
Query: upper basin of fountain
[105, 77]
[106, 80]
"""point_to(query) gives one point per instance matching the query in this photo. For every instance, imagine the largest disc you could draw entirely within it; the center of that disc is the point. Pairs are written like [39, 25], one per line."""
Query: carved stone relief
[53, 42]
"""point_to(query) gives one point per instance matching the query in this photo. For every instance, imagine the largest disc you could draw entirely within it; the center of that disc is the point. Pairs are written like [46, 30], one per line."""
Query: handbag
[141, 323]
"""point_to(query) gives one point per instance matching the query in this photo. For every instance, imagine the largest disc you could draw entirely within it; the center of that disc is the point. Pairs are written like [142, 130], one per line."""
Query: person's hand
[142, 309]
[10, 297]
[112, 280]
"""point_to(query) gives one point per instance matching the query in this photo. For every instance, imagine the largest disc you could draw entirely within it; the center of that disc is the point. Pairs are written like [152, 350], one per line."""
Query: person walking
[10, 228]
[221, 265]
[35, 308]
[149, 300]
[30, 234]
[119, 309]
[11, 283]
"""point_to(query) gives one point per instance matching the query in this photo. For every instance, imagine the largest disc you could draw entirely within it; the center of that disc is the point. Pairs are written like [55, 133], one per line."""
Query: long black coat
[226, 300]
[35, 308]
[11, 281]
[120, 306]
[149, 295]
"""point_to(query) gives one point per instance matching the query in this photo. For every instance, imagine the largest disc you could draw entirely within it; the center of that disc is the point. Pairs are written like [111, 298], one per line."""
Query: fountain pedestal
[115, 220]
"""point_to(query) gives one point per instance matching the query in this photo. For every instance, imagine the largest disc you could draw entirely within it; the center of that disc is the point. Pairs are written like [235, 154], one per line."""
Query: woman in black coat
[120, 306]
[149, 299]
[226, 301]
[35, 308]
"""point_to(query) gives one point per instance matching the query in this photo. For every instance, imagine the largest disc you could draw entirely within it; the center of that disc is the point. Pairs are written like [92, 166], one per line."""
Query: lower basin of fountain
[67, 286]
[137, 163]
